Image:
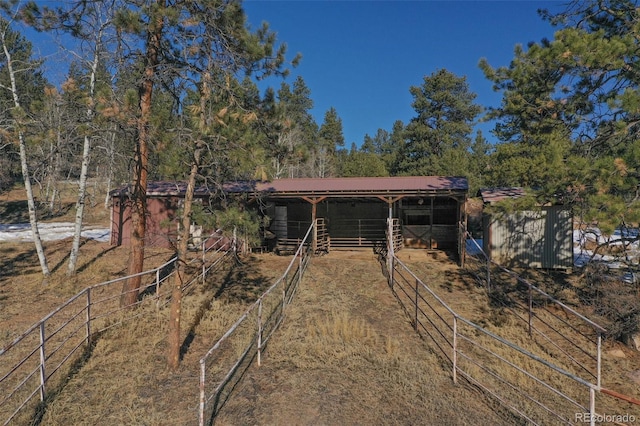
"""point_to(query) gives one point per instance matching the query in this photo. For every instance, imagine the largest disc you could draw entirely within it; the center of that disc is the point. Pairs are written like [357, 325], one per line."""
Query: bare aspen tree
[86, 155]
[13, 68]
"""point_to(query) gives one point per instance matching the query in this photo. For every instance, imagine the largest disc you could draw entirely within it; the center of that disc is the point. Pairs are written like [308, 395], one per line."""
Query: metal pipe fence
[224, 365]
[529, 384]
[572, 339]
[38, 363]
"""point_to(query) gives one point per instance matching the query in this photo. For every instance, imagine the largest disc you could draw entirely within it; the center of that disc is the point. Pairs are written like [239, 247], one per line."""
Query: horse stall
[355, 210]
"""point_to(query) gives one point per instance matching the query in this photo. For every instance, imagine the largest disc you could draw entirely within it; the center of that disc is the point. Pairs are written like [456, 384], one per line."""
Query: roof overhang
[388, 188]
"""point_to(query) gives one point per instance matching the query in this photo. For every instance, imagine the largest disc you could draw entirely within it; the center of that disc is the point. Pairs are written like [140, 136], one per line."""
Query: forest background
[168, 90]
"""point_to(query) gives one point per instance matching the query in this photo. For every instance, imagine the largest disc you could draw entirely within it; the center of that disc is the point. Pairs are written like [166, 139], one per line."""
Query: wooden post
[314, 238]
[390, 250]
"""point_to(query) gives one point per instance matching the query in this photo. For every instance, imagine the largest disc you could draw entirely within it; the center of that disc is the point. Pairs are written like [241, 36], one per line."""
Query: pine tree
[568, 121]
[439, 136]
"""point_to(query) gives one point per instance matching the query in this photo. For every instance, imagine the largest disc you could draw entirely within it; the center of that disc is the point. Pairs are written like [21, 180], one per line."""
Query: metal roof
[327, 187]
[364, 186]
[493, 195]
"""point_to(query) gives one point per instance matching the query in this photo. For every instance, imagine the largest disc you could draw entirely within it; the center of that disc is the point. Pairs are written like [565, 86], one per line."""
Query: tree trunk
[173, 357]
[84, 169]
[131, 286]
[111, 164]
[33, 218]
[80, 203]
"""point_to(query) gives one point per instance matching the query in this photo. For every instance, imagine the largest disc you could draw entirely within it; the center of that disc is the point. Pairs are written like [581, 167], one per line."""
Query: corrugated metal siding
[535, 239]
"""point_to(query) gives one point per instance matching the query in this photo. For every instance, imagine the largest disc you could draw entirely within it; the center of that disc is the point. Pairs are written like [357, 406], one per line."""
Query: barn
[429, 209]
[536, 238]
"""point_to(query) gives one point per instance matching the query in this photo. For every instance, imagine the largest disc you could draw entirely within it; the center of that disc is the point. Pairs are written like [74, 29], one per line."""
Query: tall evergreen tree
[442, 127]
[357, 163]
[330, 139]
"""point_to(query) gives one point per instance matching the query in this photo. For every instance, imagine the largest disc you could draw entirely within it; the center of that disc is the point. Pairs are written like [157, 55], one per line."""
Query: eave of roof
[363, 186]
[322, 187]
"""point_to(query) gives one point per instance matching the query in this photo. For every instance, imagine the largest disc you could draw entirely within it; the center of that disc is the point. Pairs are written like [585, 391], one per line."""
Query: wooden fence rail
[37, 363]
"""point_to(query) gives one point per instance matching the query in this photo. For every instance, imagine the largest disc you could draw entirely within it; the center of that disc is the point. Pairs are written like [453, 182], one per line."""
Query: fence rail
[37, 363]
[498, 366]
[531, 385]
[543, 316]
[229, 358]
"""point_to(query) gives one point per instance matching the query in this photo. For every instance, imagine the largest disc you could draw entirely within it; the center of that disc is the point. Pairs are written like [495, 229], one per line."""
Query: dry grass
[346, 354]
[497, 312]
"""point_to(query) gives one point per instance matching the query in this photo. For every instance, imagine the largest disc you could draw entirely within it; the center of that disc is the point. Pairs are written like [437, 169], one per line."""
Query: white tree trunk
[86, 151]
[33, 218]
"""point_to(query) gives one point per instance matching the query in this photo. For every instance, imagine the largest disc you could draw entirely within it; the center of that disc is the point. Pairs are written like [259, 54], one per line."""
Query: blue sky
[361, 57]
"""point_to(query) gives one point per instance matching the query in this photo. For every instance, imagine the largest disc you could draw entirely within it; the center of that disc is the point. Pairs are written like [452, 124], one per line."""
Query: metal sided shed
[430, 209]
[540, 238]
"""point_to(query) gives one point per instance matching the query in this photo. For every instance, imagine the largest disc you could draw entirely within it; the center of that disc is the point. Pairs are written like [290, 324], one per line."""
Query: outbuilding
[535, 238]
[430, 210]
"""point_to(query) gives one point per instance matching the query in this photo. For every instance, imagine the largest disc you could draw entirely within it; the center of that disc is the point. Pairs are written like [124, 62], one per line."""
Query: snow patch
[21, 232]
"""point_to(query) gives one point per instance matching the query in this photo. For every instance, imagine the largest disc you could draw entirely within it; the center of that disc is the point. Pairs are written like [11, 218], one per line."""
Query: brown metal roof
[162, 188]
[375, 185]
[493, 195]
[329, 187]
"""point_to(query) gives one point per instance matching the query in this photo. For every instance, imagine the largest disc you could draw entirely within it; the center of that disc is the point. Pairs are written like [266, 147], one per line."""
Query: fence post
[390, 250]
[592, 405]
[234, 244]
[488, 274]
[416, 310]
[43, 376]
[260, 332]
[158, 283]
[599, 360]
[88, 318]
[455, 349]
[530, 307]
[300, 265]
[202, 393]
[204, 262]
